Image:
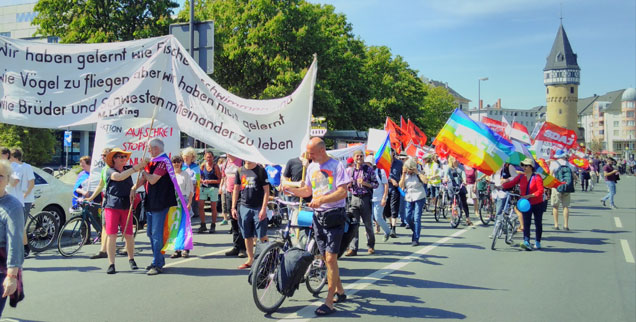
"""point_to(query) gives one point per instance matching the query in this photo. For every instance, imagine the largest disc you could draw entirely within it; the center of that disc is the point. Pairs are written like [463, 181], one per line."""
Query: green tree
[437, 108]
[94, 21]
[38, 145]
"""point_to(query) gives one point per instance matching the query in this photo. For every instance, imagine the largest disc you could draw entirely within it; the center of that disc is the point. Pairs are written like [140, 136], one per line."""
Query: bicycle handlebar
[90, 203]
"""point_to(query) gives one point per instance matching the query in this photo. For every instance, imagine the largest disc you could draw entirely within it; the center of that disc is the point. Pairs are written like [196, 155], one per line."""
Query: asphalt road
[585, 274]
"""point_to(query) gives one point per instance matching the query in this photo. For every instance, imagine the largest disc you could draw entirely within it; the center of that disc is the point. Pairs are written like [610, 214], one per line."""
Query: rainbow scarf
[473, 143]
[177, 229]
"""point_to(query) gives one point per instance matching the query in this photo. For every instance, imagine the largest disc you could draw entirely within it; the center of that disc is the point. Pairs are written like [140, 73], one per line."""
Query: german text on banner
[61, 85]
[473, 143]
[552, 137]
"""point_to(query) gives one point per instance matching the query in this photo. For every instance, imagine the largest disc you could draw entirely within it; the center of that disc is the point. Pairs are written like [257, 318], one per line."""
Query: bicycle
[456, 206]
[77, 231]
[509, 223]
[264, 272]
[41, 230]
[442, 203]
[486, 205]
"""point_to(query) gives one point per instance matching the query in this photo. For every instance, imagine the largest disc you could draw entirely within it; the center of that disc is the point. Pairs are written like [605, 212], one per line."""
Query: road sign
[68, 138]
[203, 42]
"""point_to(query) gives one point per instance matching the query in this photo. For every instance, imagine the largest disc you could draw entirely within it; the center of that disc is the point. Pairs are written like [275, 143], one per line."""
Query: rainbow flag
[473, 143]
[541, 169]
[383, 158]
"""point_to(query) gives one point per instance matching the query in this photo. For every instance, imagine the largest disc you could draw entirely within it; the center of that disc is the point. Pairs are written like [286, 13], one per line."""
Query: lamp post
[479, 97]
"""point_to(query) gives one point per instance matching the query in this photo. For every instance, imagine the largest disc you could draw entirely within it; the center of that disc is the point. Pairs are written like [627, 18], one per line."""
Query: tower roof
[561, 56]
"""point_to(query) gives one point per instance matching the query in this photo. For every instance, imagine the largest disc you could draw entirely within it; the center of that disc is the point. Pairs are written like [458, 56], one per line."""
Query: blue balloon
[523, 205]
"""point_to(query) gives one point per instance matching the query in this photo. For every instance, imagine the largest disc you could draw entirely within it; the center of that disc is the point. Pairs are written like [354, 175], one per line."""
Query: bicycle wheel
[496, 234]
[316, 276]
[72, 236]
[41, 231]
[456, 215]
[484, 214]
[445, 206]
[437, 211]
[512, 227]
[264, 290]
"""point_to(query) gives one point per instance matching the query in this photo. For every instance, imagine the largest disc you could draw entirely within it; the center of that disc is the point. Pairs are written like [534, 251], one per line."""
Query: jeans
[379, 218]
[361, 209]
[156, 220]
[3, 300]
[538, 225]
[414, 217]
[402, 209]
[611, 186]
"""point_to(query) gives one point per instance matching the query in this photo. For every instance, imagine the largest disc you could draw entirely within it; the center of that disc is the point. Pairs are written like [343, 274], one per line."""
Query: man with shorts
[327, 182]
[564, 172]
[249, 206]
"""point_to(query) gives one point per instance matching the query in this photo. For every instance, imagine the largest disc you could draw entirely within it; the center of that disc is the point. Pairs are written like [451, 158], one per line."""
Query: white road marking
[197, 257]
[627, 252]
[618, 222]
[307, 313]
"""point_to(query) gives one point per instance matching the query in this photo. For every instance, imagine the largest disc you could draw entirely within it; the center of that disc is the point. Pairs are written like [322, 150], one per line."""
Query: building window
[571, 89]
[601, 132]
[547, 90]
[6, 34]
[560, 111]
[630, 123]
[629, 114]
[615, 123]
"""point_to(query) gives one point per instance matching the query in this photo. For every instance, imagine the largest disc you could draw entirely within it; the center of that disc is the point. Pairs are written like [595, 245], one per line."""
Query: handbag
[331, 218]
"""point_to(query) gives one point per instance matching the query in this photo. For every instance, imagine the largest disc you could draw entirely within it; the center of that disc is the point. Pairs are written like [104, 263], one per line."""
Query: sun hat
[559, 154]
[113, 152]
[527, 161]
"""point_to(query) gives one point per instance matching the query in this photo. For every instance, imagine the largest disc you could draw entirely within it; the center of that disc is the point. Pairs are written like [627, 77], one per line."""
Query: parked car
[52, 195]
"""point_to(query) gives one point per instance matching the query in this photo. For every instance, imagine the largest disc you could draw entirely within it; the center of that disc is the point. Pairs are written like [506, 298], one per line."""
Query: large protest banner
[552, 137]
[61, 85]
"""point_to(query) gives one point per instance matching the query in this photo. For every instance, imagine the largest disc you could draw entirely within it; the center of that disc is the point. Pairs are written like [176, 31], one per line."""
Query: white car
[51, 194]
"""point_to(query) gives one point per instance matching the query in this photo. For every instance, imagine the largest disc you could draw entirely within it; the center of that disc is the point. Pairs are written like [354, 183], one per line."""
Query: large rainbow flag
[473, 143]
[383, 156]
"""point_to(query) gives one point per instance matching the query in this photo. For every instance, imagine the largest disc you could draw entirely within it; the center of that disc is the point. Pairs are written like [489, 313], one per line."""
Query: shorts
[117, 218]
[470, 193]
[328, 239]
[562, 198]
[250, 225]
[209, 193]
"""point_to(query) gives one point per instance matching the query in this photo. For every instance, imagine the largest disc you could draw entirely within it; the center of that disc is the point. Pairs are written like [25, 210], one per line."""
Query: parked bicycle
[77, 231]
[508, 223]
[265, 272]
[41, 230]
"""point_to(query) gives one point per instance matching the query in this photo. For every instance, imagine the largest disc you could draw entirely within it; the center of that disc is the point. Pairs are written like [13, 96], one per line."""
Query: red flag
[396, 135]
[555, 134]
[497, 126]
[417, 135]
[520, 133]
[403, 124]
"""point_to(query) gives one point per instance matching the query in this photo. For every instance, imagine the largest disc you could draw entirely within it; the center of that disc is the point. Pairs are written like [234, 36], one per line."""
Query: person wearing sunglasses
[531, 188]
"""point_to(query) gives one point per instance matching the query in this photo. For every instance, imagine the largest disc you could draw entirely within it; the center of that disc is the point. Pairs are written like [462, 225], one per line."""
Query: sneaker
[242, 254]
[111, 269]
[603, 203]
[614, 207]
[212, 229]
[415, 243]
[537, 245]
[186, 253]
[403, 224]
[232, 252]
[149, 267]
[154, 271]
[224, 222]
[490, 236]
[99, 255]
[386, 237]
[27, 250]
[525, 245]
[133, 264]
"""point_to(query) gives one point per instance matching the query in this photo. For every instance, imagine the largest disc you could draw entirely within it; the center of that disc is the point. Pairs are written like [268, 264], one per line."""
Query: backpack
[292, 270]
[564, 174]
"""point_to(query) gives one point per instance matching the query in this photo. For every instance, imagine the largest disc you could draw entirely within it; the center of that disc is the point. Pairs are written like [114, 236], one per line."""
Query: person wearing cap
[117, 204]
[611, 177]
[531, 188]
[557, 197]
[361, 188]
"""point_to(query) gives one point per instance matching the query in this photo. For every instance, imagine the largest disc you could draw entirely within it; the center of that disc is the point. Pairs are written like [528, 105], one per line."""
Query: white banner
[130, 135]
[61, 85]
[343, 154]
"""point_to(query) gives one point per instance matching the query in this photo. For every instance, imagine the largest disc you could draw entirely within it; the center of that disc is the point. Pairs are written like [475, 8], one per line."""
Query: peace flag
[382, 157]
[473, 143]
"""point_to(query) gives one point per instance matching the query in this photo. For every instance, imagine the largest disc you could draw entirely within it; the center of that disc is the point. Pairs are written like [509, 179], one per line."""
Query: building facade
[561, 76]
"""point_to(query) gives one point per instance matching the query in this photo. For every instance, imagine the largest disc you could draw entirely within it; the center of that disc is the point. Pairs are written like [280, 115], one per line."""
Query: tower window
[560, 111]
[571, 89]
[547, 91]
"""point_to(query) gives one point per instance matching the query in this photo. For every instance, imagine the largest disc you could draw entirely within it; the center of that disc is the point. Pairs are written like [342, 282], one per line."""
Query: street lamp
[479, 96]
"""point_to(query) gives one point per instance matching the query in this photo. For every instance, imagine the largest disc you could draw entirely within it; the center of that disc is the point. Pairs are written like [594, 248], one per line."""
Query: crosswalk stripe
[627, 252]
[618, 222]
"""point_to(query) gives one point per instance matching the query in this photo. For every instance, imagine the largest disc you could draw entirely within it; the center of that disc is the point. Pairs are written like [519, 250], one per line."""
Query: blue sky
[460, 41]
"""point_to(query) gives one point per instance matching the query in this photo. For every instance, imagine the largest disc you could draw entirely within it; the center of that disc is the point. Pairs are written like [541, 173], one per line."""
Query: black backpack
[565, 175]
[292, 270]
